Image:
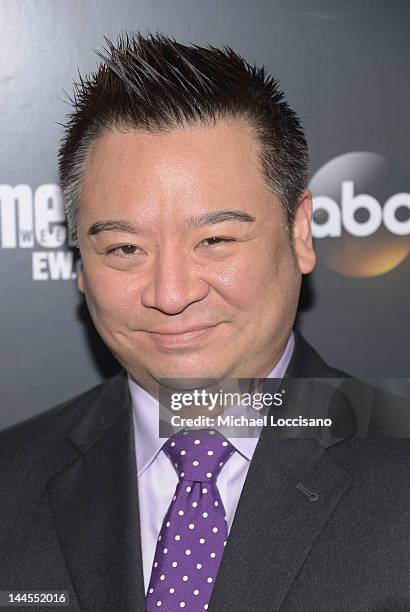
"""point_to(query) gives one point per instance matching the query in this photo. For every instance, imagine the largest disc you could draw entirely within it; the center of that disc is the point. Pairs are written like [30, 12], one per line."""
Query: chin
[186, 371]
[186, 374]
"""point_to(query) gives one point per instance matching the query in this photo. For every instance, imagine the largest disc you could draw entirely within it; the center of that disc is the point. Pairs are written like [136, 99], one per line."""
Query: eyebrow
[119, 225]
[211, 218]
[220, 216]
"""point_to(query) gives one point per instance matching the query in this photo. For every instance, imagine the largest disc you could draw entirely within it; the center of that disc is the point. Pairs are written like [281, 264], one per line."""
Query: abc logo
[361, 214]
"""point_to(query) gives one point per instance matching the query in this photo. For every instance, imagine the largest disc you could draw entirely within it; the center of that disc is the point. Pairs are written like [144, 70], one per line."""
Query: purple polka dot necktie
[194, 532]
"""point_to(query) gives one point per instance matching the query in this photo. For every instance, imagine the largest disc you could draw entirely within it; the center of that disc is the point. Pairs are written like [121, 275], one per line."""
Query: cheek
[109, 296]
[249, 281]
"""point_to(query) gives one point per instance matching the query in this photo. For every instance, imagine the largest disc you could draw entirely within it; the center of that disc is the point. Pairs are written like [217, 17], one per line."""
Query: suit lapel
[94, 502]
[291, 489]
[276, 522]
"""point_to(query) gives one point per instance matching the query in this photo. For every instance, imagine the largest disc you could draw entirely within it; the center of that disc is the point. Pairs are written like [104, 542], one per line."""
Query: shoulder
[33, 451]
[44, 433]
[307, 363]
[380, 469]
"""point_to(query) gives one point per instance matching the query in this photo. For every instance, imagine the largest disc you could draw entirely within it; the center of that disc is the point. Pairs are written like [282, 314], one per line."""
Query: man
[184, 176]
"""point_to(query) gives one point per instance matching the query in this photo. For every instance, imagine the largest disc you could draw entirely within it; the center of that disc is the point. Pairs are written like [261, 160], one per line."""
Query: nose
[174, 281]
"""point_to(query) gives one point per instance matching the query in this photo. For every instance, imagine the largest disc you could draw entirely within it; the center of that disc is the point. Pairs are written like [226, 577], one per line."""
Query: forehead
[195, 167]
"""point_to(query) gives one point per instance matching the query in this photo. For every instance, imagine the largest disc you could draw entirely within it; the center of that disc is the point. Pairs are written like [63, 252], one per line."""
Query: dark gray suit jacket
[69, 514]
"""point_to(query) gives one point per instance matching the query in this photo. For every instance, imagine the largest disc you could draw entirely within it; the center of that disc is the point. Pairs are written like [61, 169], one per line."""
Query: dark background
[344, 66]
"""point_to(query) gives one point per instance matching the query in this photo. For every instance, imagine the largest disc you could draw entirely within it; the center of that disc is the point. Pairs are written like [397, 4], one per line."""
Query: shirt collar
[145, 418]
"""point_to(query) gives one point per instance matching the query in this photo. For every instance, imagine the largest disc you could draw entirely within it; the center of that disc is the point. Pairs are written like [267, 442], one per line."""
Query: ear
[302, 234]
[80, 281]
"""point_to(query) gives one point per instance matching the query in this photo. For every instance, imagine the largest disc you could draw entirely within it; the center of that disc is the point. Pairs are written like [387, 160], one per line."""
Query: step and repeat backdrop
[345, 69]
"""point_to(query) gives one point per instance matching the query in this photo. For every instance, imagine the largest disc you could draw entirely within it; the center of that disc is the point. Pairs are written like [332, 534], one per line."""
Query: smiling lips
[187, 337]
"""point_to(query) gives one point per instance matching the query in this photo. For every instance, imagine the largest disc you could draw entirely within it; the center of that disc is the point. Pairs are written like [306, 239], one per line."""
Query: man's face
[188, 270]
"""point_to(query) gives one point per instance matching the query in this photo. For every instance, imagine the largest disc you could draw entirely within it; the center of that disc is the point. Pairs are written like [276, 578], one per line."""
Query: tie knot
[198, 455]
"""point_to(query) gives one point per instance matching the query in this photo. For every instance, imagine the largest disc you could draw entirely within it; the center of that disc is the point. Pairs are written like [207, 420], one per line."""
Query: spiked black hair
[153, 83]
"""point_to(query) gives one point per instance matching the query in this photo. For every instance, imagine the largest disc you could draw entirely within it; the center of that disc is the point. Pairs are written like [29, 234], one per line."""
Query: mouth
[181, 338]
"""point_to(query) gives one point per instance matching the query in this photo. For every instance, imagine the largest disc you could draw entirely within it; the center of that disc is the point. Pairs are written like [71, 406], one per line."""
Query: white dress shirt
[157, 478]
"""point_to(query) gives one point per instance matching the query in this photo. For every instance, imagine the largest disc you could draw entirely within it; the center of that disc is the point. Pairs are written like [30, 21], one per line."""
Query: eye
[124, 250]
[215, 240]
